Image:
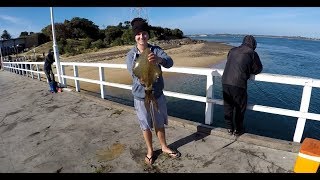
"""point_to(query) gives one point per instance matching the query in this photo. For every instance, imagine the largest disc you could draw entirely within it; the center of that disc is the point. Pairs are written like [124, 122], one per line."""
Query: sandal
[148, 160]
[173, 154]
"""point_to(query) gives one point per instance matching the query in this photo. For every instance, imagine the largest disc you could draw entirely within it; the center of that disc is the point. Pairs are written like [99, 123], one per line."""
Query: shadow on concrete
[201, 133]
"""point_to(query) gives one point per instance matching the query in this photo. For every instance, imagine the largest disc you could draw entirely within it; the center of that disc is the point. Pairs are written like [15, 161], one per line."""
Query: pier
[71, 132]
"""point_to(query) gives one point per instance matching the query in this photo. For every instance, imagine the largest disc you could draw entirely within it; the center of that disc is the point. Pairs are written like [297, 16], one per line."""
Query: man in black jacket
[49, 60]
[241, 62]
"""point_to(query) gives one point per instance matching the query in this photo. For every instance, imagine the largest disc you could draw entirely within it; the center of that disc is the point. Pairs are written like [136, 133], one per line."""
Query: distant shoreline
[268, 36]
[203, 55]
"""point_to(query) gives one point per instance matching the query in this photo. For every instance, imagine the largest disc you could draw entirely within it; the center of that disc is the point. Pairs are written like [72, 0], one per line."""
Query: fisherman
[141, 33]
[242, 61]
[49, 60]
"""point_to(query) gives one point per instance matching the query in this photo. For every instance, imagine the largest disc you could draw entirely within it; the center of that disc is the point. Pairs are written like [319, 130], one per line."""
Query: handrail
[302, 114]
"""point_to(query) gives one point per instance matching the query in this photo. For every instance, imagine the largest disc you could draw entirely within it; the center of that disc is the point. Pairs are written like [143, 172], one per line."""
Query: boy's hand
[154, 58]
[141, 81]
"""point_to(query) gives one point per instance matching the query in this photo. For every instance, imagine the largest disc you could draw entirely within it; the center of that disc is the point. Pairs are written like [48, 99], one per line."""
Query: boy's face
[142, 38]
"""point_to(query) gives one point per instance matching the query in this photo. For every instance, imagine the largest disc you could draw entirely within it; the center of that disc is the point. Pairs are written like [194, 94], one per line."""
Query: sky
[278, 21]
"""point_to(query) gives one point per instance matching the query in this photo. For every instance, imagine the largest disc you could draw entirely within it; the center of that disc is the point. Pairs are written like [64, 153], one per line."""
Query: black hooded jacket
[49, 60]
[241, 62]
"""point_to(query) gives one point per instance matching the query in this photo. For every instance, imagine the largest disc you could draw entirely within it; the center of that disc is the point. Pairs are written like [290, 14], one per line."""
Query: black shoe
[230, 131]
[238, 133]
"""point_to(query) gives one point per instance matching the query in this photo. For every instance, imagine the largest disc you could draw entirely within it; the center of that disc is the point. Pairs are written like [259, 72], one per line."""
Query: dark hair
[138, 25]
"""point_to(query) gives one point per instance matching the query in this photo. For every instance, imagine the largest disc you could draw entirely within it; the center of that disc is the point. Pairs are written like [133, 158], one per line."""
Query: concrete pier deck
[70, 132]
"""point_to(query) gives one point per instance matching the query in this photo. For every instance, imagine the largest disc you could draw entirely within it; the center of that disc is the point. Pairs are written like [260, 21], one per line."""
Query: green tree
[83, 28]
[87, 43]
[157, 32]
[23, 34]
[61, 31]
[112, 33]
[127, 36]
[117, 42]
[167, 32]
[61, 46]
[5, 35]
[42, 38]
[177, 33]
[120, 25]
[47, 31]
[127, 25]
[98, 44]
[102, 35]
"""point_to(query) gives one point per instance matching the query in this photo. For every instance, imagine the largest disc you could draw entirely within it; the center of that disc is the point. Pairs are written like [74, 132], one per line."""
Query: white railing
[302, 114]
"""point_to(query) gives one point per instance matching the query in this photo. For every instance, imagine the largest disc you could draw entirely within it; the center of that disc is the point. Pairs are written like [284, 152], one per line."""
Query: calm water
[278, 56]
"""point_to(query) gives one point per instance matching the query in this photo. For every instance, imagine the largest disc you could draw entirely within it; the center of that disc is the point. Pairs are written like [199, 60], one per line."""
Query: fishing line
[268, 94]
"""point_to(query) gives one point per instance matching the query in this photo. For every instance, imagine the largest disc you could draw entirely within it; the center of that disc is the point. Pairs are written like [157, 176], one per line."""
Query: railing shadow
[200, 134]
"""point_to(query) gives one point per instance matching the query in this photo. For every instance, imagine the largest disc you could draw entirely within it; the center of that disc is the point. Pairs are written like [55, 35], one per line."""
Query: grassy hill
[77, 50]
[39, 50]
[71, 47]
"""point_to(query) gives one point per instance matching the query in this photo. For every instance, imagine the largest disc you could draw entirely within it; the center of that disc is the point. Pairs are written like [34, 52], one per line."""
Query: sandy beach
[191, 55]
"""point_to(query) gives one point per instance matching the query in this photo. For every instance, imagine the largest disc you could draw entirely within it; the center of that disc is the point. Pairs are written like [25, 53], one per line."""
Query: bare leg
[162, 138]
[147, 134]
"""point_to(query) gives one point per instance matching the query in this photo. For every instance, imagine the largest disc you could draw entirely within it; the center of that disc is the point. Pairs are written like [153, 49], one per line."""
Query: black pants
[49, 74]
[234, 98]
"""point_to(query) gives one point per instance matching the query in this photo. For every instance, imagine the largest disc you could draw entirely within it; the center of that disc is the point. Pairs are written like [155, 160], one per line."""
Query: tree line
[79, 34]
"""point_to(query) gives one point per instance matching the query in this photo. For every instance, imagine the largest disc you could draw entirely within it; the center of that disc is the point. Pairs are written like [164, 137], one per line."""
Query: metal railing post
[209, 106]
[76, 74]
[305, 102]
[31, 68]
[63, 72]
[102, 78]
[38, 73]
[20, 69]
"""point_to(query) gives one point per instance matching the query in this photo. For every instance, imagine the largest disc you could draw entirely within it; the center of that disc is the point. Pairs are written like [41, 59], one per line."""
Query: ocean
[283, 56]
